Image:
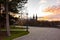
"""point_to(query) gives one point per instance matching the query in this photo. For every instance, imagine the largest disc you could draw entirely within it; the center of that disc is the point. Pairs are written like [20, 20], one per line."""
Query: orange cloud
[54, 9]
[50, 18]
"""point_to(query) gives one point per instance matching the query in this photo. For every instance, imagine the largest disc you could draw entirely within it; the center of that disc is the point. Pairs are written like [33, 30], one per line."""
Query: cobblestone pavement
[39, 33]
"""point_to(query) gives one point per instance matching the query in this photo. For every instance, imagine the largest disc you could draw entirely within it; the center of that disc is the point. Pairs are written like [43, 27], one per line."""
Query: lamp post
[27, 22]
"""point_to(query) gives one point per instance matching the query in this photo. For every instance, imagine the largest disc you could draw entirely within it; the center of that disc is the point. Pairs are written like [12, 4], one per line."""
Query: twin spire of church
[35, 17]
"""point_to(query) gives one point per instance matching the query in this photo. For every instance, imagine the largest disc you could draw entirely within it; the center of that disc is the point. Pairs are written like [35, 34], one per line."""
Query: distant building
[35, 17]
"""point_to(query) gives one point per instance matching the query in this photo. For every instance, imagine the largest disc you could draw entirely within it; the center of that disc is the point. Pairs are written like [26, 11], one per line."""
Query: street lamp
[27, 22]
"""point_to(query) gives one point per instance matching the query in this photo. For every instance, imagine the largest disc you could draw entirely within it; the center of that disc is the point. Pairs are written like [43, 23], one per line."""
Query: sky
[40, 7]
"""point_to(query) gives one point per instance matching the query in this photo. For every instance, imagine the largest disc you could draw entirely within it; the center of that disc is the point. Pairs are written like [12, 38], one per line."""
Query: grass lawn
[15, 32]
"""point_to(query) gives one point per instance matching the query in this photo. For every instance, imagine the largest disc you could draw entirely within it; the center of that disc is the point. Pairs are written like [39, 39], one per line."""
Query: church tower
[36, 17]
[33, 16]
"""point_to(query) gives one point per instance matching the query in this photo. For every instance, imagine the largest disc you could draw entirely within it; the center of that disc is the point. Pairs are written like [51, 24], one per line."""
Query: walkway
[39, 33]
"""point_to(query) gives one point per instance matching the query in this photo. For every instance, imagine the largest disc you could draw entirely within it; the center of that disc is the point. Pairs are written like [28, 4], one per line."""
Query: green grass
[15, 34]
[15, 27]
[12, 27]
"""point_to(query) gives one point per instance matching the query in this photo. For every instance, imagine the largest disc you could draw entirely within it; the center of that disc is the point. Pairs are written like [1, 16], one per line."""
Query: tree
[10, 6]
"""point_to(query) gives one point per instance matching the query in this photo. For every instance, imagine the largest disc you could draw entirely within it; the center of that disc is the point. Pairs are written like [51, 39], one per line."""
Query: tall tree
[10, 6]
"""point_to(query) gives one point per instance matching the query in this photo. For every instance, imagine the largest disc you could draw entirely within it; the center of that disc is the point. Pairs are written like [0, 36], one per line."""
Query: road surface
[40, 33]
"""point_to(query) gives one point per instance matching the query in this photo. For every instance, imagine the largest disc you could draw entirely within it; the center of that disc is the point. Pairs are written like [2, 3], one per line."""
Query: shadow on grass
[14, 34]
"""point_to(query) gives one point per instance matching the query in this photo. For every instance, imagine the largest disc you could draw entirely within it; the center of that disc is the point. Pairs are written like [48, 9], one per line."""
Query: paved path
[39, 33]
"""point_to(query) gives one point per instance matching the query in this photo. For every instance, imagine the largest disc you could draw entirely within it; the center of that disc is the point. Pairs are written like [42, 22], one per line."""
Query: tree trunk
[0, 19]
[7, 19]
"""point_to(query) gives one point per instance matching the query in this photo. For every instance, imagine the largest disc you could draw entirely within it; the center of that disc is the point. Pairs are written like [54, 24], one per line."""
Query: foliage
[3, 18]
[12, 5]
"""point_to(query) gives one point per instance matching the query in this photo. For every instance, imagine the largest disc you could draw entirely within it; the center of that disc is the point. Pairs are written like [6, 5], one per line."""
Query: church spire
[36, 16]
[33, 16]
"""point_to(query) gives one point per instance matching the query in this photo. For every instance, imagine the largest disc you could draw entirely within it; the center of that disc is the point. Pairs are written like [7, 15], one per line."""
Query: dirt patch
[2, 35]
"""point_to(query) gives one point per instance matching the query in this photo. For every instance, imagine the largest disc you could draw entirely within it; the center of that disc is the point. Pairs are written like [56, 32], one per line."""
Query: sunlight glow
[45, 9]
[42, 14]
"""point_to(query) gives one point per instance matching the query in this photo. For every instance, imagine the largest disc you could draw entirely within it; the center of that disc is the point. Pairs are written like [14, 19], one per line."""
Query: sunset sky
[43, 8]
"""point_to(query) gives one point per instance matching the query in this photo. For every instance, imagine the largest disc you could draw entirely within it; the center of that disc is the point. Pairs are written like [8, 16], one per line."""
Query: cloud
[53, 9]
[54, 16]
[43, 1]
[58, 1]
